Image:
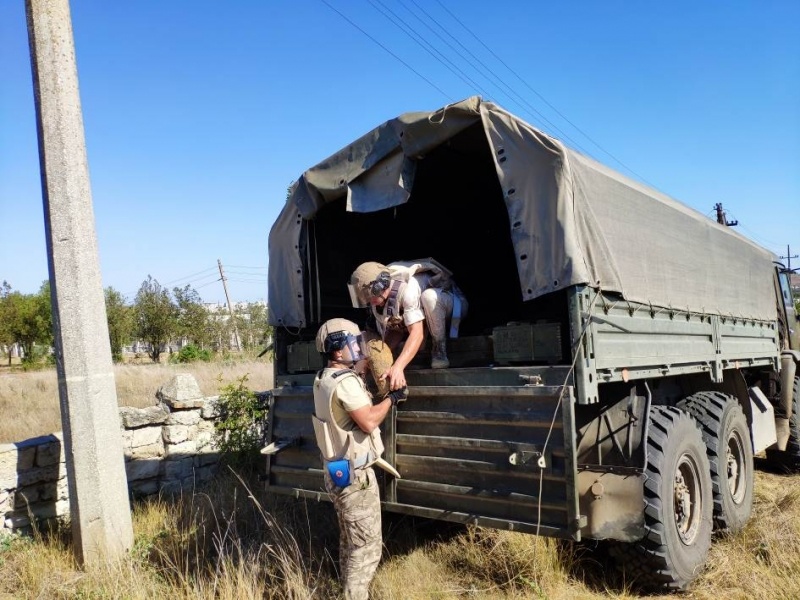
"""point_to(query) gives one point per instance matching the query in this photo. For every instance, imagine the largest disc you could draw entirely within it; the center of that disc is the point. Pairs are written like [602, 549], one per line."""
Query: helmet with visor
[370, 279]
[341, 334]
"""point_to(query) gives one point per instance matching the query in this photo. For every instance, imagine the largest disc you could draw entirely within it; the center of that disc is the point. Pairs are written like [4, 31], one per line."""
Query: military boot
[439, 355]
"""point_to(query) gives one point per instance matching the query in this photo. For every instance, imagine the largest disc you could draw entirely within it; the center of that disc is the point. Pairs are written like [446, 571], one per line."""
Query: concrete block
[175, 434]
[140, 417]
[211, 458]
[178, 469]
[182, 391]
[155, 450]
[210, 408]
[186, 404]
[38, 475]
[206, 426]
[146, 436]
[184, 417]
[27, 496]
[182, 450]
[142, 469]
[49, 454]
[205, 443]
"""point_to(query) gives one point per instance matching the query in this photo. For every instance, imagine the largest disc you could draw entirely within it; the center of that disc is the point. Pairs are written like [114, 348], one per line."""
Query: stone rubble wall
[168, 448]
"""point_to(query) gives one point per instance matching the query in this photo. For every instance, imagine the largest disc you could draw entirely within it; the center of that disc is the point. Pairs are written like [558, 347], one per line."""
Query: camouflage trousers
[358, 507]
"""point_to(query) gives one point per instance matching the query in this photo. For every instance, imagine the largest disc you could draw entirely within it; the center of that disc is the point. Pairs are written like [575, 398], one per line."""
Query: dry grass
[30, 406]
[232, 541]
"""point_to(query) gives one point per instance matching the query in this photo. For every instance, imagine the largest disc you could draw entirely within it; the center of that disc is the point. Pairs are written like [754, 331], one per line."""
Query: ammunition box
[302, 357]
[469, 351]
[527, 342]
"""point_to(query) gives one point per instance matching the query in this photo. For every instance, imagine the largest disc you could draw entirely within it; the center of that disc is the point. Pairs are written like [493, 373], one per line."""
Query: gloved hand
[398, 396]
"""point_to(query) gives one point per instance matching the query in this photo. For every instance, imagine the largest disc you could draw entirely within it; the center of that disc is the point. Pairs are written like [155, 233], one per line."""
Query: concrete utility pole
[230, 308]
[789, 258]
[98, 487]
[721, 216]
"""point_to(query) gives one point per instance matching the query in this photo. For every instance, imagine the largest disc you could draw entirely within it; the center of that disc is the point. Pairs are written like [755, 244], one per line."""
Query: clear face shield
[354, 346]
[360, 297]
[359, 300]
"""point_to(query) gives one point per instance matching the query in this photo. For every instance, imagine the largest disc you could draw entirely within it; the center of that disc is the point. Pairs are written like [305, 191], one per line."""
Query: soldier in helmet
[406, 298]
[346, 428]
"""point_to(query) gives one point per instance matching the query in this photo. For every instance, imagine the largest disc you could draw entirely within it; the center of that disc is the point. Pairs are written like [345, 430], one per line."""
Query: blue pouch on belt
[339, 470]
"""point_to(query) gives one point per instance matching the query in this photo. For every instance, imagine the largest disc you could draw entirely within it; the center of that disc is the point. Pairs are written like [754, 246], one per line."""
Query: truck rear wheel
[678, 506]
[730, 455]
[790, 458]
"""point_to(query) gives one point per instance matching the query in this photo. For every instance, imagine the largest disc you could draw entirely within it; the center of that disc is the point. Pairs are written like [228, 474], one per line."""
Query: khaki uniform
[358, 506]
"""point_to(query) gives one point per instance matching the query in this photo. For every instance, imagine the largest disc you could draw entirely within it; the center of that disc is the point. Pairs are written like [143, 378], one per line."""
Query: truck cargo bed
[495, 455]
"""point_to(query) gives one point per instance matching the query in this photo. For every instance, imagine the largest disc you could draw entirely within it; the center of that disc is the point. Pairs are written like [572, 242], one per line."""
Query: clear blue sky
[198, 115]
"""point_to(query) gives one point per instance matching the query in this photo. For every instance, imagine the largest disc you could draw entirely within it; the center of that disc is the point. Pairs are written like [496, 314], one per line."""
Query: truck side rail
[626, 341]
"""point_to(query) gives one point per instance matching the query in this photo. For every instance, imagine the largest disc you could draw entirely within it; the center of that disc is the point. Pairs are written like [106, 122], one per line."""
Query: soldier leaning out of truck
[403, 297]
[346, 429]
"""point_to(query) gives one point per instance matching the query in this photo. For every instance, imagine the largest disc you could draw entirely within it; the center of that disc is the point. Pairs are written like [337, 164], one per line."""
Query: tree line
[158, 317]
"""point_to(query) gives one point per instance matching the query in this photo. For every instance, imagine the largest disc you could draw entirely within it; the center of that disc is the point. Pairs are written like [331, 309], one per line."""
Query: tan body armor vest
[335, 443]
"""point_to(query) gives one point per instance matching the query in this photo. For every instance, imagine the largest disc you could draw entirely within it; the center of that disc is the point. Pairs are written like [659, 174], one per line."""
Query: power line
[265, 280]
[428, 47]
[464, 77]
[248, 273]
[206, 284]
[188, 276]
[753, 235]
[243, 267]
[495, 79]
[542, 98]
[412, 69]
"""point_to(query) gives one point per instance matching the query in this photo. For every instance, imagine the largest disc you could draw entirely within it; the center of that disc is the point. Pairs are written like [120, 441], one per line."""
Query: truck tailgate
[490, 455]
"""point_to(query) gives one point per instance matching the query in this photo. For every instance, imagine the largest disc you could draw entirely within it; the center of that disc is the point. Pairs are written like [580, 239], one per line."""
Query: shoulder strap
[392, 308]
[341, 372]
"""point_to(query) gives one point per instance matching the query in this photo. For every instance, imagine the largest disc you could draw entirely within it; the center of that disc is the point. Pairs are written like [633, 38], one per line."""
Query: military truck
[623, 360]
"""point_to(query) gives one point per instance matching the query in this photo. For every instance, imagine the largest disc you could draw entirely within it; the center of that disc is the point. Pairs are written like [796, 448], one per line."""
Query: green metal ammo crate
[527, 342]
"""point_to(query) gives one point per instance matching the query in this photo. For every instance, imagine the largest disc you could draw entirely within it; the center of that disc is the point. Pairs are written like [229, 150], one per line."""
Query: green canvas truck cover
[575, 220]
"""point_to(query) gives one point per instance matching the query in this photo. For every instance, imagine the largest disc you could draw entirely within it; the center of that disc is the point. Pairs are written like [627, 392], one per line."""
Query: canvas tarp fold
[573, 220]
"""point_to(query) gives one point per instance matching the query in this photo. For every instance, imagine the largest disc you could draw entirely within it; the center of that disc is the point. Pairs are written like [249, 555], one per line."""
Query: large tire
[730, 454]
[790, 458]
[678, 507]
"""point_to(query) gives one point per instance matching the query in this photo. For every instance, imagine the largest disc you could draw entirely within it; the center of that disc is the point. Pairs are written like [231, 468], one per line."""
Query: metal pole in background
[98, 487]
[789, 258]
[230, 308]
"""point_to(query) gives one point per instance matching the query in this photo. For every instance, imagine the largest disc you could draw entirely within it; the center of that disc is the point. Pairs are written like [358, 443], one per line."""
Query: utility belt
[342, 471]
[352, 456]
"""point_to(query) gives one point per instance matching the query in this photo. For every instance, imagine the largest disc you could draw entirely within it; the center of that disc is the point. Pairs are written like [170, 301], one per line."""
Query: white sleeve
[412, 308]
